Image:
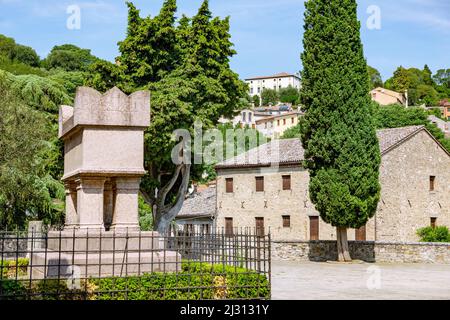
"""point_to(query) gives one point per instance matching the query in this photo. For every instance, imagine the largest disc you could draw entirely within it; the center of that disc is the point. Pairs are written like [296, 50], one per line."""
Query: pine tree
[338, 133]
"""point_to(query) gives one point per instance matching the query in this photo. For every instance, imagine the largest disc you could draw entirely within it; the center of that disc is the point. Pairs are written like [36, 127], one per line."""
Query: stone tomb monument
[103, 137]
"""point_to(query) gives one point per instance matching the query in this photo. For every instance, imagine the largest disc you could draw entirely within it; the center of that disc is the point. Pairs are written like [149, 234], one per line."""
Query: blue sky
[267, 33]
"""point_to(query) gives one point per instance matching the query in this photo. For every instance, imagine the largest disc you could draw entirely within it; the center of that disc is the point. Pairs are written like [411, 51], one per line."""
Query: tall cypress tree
[338, 133]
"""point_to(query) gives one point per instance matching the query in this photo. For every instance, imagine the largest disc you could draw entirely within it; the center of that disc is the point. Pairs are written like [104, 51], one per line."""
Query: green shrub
[437, 234]
[195, 281]
[11, 268]
[12, 290]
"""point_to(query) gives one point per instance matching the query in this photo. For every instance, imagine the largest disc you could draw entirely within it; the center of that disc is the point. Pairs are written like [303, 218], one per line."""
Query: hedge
[195, 281]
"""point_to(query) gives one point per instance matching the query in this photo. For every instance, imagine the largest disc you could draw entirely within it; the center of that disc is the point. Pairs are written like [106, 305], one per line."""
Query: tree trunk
[342, 245]
[165, 214]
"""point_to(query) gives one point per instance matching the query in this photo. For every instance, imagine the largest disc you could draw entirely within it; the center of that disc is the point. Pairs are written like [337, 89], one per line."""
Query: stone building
[386, 97]
[267, 188]
[198, 212]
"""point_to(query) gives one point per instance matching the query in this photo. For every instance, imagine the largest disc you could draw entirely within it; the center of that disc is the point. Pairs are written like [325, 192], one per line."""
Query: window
[360, 234]
[251, 90]
[229, 185]
[292, 120]
[259, 90]
[284, 121]
[432, 183]
[313, 228]
[433, 222]
[243, 116]
[259, 184]
[229, 226]
[286, 221]
[249, 117]
[259, 227]
[278, 122]
[286, 182]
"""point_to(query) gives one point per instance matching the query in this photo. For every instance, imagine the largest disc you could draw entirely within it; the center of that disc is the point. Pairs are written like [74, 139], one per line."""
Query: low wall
[388, 252]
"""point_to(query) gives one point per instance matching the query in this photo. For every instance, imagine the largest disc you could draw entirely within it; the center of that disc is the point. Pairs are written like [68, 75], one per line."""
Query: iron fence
[126, 265]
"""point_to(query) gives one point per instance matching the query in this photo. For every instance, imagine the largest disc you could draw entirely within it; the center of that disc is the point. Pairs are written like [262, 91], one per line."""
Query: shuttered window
[433, 222]
[360, 234]
[286, 182]
[286, 221]
[313, 228]
[259, 184]
[229, 185]
[259, 227]
[432, 183]
[229, 226]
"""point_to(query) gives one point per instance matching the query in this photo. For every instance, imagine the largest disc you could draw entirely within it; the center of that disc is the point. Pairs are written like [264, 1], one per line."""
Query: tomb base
[94, 254]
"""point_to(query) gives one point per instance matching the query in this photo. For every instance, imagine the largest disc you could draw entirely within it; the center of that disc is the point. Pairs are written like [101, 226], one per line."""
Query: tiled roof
[278, 75]
[277, 151]
[199, 204]
[389, 138]
[291, 150]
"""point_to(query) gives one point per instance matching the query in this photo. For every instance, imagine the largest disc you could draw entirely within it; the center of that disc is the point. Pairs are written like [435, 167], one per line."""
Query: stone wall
[384, 252]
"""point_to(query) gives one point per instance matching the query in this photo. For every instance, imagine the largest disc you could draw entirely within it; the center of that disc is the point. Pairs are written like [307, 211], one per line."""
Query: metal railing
[99, 265]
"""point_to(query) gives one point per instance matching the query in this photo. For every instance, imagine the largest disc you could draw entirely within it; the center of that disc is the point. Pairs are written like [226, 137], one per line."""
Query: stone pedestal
[90, 203]
[72, 220]
[87, 253]
[126, 214]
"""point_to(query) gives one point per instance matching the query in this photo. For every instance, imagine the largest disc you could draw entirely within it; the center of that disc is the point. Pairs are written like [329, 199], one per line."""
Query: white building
[276, 81]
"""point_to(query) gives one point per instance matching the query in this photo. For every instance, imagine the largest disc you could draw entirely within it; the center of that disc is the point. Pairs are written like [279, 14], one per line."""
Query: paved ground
[310, 280]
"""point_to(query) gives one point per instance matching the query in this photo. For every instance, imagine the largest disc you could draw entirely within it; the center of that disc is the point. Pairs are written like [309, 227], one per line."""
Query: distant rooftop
[278, 75]
[200, 204]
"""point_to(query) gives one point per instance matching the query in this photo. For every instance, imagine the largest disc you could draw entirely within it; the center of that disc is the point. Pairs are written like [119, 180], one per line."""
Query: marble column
[126, 216]
[71, 221]
[90, 203]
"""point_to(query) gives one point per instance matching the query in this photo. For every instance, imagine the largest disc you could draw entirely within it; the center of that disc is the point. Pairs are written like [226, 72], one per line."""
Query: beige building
[273, 127]
[386, 97]
[414, 176]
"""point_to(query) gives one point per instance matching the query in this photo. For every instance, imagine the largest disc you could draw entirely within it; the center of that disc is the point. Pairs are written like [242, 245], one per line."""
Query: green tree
[149, 50]
[419, 84]
[27, 191]
[289, 95]
[256, 100]
[69, 58]
[375, 77]
[269, 97]
[338, 132]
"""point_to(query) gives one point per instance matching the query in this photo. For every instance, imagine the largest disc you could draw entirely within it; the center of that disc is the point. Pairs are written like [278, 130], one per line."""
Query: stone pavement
[312, 280]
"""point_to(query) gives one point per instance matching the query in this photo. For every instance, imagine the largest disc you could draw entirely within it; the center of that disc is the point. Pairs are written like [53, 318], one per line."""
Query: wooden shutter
[286, 182]
[259, 227]
[229, 185]
[432, 181]
[286, 221]
[229, 226]
[433, 222]
[259, 184]
[313, 228]
[360, 234]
